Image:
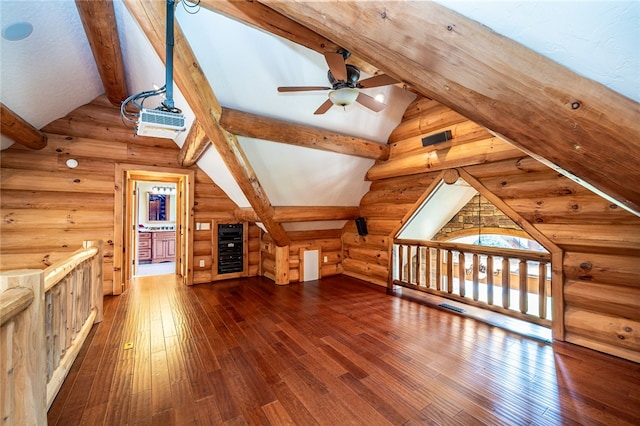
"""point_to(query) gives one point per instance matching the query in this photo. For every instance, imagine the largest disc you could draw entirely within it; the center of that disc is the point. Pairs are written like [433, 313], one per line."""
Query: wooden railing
[45, 317]
[510, 281]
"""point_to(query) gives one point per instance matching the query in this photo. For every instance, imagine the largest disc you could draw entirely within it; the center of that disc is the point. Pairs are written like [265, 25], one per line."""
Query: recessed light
[17, 31]
[72, 163]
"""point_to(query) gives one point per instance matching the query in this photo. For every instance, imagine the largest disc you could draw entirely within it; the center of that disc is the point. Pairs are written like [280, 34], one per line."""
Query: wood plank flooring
[333, 352]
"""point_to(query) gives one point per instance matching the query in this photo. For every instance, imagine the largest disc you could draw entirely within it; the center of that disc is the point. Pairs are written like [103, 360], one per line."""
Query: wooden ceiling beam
[302, 213]
[259, 16]
[18, 130]
[270, 129]
[99, 22]
[580, 126]
[195, 144]
[193, 84]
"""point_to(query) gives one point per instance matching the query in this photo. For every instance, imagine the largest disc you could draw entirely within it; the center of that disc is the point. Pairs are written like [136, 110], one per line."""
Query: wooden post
[490, 279]
[419, 251]
[449, 271]
[427, 267]
[282, 265]
[476, 276]
[542, 290]
[401, 262]
[462, 281]
[506, 275]
[438, 269]
[24, 388]
[524, 305]
[96, 278]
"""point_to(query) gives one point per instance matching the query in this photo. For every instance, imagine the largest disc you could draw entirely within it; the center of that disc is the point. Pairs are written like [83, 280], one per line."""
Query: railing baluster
[542, 290]
[476, 276]
[490, 280]
[506, 274]
[78, 302]
[64, 336]
[56, 298]
[87, 288]
[431, 264]
[461, 273]
[419, 265]
[524, 291]
[413, 265]
[48, 333]
[449, 271]
[427, 267]
[407, 278]
[69, 297]
[401, 262]
[439, 270]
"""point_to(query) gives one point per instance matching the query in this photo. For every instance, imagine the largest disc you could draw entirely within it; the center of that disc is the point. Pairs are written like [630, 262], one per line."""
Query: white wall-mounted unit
[160, 124]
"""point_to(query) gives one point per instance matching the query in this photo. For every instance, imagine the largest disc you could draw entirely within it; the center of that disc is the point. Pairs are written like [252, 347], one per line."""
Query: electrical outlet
[201, 263]
[326, 259]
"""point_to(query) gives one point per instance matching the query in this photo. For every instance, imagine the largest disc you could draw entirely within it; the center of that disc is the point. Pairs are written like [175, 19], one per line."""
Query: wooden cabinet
[163, 247]
[144, 247]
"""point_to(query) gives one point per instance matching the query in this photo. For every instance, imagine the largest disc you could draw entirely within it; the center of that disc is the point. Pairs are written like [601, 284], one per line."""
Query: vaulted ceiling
[228, 59]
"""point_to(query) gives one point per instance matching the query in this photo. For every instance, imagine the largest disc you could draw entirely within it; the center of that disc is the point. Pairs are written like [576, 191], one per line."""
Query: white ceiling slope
[244, 71]
[598, 39]
[53, 72]
[50, 73]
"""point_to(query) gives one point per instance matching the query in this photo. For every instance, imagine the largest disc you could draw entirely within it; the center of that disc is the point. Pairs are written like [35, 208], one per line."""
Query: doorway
[154, 221]
[146, 207]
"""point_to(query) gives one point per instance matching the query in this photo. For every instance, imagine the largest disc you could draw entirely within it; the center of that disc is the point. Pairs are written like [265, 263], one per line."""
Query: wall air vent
[160, 124]
[437, 138]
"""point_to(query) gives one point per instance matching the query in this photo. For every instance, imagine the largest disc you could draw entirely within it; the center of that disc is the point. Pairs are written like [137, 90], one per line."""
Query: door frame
[124, 206]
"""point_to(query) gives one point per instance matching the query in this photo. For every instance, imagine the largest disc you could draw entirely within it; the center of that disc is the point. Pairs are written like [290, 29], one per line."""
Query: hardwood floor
[334, 352]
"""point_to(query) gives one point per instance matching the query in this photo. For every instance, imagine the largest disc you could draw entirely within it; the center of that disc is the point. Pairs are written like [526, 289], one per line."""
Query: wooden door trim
[124, 175]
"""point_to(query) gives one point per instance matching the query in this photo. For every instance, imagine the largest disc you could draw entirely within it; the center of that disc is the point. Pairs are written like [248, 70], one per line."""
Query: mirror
[158, 207]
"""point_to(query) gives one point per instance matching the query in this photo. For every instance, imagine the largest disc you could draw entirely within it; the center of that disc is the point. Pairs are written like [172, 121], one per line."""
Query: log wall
[49, 209]
[600, 241]
[327, 242]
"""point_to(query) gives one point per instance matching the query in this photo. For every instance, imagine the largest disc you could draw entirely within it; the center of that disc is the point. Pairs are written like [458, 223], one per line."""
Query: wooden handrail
[45, 317]
[56, 272]
[13, 301]
[413, 268]
[471, 248]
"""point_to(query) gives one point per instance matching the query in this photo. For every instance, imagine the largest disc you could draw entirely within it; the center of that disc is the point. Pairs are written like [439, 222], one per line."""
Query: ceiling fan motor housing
[353, 75]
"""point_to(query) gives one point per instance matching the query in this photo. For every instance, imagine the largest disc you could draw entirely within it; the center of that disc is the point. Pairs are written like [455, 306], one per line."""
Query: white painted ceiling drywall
[53, 72]
[437, 210]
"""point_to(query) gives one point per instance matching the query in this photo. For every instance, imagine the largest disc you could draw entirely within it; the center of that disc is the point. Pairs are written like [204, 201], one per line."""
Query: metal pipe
[169, 54]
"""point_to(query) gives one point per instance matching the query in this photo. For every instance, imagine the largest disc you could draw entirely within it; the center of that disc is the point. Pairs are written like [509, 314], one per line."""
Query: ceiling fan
[345, 84]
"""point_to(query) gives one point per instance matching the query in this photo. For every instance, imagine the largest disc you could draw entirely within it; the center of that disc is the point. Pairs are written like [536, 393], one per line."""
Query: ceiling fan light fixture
[343, 97]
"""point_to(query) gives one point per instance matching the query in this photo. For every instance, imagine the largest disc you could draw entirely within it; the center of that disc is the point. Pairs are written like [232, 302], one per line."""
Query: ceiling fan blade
[370, 102]
[336, 65]
[302, 88]
[324, 107]
[377, 81]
